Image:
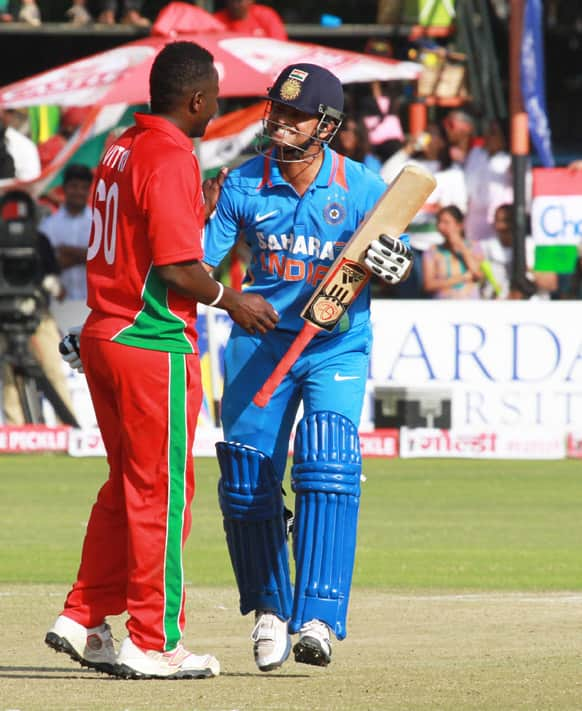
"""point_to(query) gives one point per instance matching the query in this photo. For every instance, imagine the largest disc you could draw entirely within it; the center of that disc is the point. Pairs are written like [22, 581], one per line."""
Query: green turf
[425, 524]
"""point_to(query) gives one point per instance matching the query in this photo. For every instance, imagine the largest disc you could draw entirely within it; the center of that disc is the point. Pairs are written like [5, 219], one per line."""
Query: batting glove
[390, 259]
[70, 350]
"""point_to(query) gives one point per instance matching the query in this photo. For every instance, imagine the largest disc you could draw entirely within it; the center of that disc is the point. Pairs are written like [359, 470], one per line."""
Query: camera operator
[32, 342]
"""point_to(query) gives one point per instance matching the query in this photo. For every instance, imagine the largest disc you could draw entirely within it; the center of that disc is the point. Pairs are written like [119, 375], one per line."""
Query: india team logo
[290, 89]
[334, 213]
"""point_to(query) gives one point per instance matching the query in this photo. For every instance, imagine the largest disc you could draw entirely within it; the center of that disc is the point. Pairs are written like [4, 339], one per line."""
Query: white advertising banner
[468, 365]
[482, 444]
[502, 364]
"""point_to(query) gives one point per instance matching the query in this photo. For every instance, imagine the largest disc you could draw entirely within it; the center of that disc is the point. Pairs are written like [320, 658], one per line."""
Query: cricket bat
[347, 276]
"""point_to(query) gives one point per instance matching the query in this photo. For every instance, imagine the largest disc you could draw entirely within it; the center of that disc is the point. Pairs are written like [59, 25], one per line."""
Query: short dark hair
[77, 171]
[177, 68]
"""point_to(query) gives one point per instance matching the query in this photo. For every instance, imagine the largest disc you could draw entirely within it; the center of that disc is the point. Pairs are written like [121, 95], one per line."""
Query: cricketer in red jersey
[140, 357]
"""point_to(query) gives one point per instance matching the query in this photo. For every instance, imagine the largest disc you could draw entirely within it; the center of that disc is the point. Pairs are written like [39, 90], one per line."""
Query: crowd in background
[462, 238]
[238, 15]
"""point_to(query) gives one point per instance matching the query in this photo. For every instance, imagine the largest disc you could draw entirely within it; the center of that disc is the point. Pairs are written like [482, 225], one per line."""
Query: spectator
[127, 11]
[351, 140]
[251, 18]
[489, 182]
[452, 270]
[430, 149]
[29, 13]
[498, 253]
[6, 11]
[460, 129]
[381, 108]
[71, 119]
[44, 340]
[22, 151]
[69, 229]
[78, 14]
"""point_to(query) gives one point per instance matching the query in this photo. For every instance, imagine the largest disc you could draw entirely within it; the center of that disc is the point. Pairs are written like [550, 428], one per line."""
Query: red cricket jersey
[148, 210]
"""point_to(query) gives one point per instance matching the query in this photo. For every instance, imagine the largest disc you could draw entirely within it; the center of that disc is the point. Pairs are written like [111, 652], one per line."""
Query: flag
[556, 219]
[533, 81]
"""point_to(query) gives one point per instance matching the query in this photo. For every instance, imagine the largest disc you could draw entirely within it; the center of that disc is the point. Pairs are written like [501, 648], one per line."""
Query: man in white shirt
[498, 251]
[22, 150]
[69, 228]
[489, 182]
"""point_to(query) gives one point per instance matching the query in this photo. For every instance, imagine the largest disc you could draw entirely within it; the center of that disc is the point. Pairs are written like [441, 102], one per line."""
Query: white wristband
[219, 295]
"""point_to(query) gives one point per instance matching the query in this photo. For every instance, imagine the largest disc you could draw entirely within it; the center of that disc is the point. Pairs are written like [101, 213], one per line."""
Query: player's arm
[212, 187]
[191, 279]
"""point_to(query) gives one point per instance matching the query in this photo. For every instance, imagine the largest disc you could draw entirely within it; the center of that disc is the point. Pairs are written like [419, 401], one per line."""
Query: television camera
[23, 300]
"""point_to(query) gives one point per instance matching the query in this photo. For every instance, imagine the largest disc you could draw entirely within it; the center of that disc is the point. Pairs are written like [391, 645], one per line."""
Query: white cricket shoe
[134, 663]
[314, 645]
[91, 647]
[272, 643]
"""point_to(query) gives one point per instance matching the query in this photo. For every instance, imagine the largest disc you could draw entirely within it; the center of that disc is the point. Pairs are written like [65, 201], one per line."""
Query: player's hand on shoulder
[70, 349]
[254, 314]
[211, 188]
[390, 259]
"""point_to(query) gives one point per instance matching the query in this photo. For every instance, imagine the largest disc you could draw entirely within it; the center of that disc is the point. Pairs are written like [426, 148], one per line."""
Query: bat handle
[285, 364]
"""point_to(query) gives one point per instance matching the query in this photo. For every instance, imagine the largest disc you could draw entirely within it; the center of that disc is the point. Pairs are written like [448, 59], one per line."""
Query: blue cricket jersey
[293, 239]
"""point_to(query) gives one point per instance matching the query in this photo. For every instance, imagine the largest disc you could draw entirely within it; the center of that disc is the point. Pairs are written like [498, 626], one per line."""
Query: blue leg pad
[251, 501]
[326, 481]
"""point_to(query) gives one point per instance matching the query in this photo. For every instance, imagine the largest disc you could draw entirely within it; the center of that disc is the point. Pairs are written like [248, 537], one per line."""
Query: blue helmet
[309, 88]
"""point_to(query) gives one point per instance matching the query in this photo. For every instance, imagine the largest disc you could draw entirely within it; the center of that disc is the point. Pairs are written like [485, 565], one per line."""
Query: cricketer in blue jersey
[296, 204]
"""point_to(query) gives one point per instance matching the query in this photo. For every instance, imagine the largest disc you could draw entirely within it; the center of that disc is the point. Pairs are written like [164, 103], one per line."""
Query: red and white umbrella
[247, 67]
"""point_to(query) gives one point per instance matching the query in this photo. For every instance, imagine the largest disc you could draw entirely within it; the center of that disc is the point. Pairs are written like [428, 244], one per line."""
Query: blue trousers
[330, 375]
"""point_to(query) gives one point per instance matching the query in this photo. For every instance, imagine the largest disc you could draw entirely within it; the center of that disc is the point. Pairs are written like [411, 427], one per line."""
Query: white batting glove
[389, 258]
[70, 350]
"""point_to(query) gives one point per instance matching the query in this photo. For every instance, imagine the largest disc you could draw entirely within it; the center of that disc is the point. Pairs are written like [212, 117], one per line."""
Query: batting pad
[251, 501]
[326, 480]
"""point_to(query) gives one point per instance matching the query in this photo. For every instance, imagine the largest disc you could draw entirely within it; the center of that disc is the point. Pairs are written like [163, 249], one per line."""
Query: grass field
[467, 594]
[425, 525]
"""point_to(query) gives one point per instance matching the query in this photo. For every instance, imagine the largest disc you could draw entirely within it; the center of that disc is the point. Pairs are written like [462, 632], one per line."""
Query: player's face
[290, 127]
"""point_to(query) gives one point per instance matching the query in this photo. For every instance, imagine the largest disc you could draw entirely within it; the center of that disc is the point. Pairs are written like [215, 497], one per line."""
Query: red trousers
[147, 404]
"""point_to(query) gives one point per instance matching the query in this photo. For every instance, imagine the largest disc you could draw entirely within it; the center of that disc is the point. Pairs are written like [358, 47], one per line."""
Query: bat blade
[347, 275]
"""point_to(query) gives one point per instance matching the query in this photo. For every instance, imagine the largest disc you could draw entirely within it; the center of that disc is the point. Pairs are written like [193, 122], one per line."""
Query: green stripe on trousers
[177, 445]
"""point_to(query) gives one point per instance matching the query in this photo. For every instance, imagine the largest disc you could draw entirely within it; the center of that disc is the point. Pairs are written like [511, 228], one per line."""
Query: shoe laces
[317, 628]
[176, 656]
[264, 628]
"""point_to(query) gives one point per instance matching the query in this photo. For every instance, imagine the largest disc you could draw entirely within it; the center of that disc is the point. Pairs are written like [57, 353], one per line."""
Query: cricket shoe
[314, 645]
[134, 663]
[91, 647]
[272, 643]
